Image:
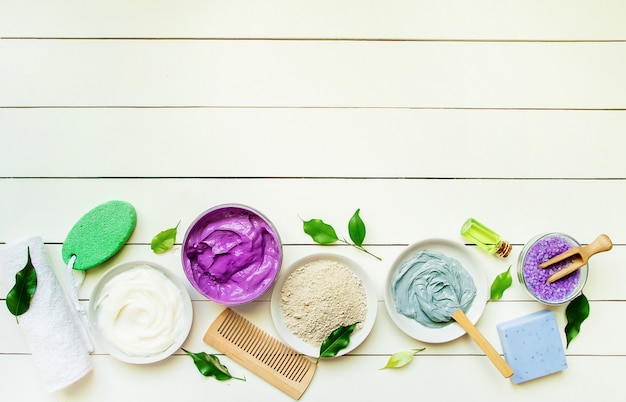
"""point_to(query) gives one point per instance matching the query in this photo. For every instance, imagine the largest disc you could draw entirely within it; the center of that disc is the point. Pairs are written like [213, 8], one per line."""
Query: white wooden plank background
[243, 73]
[313, 142]
[395, 19]
[419, 113]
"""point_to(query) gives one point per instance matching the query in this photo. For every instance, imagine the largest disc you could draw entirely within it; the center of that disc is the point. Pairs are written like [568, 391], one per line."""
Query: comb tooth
[298, 369]
[238, 333]
[255, 340]
[259, 343]
[270, 356]
[287, 368]
[282, 356]
[237, 322]
[246, 337]
[255, 344]
[221, 329]
[302, 369]
[226, 328]
[266, 354]
[277, 358]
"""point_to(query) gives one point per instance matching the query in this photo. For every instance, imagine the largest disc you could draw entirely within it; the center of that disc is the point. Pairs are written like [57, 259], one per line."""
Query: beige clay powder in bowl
[318, 294]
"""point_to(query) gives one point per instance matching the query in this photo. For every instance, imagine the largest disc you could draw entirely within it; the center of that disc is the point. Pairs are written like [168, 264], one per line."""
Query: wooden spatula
[248, 345]
[581, 256]
[497, 360]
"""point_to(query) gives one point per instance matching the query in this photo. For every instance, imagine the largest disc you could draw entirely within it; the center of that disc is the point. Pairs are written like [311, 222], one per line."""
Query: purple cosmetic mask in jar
[231, 254]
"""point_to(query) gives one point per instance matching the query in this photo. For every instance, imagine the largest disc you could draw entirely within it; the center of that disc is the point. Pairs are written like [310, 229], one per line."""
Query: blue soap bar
[532, 346]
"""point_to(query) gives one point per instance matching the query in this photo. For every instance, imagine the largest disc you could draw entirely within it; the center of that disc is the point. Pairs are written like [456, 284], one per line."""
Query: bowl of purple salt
[540, 249]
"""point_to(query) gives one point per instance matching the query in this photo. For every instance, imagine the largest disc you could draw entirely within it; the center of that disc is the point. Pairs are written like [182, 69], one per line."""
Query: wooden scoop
[497, 360]
[581, 255]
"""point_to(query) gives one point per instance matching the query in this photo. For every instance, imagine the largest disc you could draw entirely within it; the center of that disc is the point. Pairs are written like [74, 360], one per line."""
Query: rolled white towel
[58, 340]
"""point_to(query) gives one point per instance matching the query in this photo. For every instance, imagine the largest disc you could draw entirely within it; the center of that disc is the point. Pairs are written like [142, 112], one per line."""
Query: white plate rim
[453, 330]
[187, 313]
[357, 337]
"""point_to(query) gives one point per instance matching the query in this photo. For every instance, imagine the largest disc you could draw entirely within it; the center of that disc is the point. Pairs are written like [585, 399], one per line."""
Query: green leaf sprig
[401, 359]
[576, 312]
[324, 233]
[210, 366]
[19, 297]
[164, 240]
[338, 339]
[501, 283]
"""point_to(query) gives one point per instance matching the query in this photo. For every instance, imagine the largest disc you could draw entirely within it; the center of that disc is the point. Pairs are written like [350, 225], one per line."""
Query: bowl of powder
[534, 279]
[318, 294]
[231, 254]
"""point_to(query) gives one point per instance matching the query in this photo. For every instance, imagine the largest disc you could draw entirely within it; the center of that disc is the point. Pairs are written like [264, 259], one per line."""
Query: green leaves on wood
[320, 232]
[401, 359]
[323, 233]
[576, 312]
[210, 366]
[356, 229]
[339, 339]
[164, 240]
[19, 297]
[500, 284]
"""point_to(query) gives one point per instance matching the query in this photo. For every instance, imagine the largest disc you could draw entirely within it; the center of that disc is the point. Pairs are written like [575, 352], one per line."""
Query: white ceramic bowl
[94, 311]
[453, 330]
[357, 337]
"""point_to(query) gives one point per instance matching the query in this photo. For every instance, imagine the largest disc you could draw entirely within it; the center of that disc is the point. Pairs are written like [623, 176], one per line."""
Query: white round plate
[115, 352]
[356, 338]
[453, 330]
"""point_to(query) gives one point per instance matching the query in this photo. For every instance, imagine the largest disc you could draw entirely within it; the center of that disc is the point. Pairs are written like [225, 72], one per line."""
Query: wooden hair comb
[248, 345]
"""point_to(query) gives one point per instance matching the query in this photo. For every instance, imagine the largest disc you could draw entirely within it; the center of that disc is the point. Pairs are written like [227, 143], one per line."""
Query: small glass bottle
[485, 238]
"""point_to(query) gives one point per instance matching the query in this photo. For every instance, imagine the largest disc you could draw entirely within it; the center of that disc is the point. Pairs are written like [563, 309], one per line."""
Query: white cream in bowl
[140, 312]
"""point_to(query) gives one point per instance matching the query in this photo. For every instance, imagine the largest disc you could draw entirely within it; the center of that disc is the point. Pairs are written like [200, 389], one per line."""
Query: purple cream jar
[534, 279]
[231, 254]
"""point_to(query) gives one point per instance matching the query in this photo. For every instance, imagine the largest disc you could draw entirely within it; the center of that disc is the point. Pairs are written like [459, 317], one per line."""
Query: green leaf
[401, 359]
[19, 297]
[336, 341]
[500, 284]
[576, 312]
[320, 232]
[164, 240]
[210, 366]
[356, 228]
[323, 233]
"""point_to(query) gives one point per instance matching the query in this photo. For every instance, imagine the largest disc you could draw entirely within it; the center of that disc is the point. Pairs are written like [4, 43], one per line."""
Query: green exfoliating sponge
[99, 234]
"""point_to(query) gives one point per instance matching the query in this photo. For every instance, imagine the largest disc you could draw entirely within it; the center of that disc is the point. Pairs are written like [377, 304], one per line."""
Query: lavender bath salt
[535, 279]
